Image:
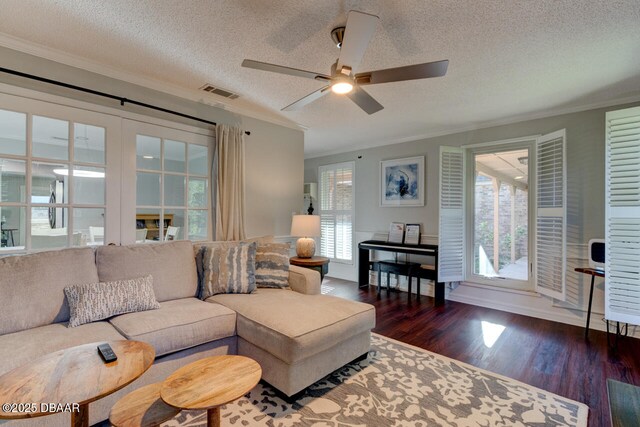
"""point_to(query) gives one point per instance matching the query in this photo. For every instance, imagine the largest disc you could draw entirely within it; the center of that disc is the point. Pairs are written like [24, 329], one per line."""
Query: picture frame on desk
[396, 232]
[412, 234]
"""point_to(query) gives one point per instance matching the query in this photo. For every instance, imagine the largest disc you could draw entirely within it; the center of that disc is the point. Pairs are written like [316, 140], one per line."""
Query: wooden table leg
[80, 418]
[213, 417]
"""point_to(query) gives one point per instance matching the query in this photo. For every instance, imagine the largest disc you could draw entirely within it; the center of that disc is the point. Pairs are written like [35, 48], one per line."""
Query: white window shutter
[551, 215]
[451, 236]
[337, 211]
[622, 221]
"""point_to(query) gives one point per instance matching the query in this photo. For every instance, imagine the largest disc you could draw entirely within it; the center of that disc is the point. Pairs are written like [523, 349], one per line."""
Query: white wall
[274, 153]
[585, 185]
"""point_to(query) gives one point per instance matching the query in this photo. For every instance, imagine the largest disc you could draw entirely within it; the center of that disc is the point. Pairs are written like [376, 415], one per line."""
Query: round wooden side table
[318, 263]
[76, 375]
[210, 383]
[142, 408]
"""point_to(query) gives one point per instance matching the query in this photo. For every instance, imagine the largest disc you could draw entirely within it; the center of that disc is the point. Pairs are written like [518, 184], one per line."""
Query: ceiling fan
[353, 40]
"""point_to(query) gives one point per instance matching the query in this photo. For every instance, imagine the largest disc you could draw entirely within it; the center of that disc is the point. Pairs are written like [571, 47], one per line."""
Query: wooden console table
[364, 263]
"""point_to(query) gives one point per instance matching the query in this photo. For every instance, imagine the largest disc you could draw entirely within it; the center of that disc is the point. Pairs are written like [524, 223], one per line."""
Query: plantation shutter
[336, 211]
[451, 235]
[551, 214]
[622, 221]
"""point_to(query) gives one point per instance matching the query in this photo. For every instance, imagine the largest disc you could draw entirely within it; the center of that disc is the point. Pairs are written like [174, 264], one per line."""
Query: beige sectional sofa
[298, 336]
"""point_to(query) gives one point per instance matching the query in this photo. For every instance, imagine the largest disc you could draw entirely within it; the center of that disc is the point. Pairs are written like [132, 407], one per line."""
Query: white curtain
[229, 167]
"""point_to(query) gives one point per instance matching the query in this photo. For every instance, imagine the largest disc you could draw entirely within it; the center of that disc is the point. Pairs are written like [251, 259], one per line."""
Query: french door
[60, 174]
[166, 191]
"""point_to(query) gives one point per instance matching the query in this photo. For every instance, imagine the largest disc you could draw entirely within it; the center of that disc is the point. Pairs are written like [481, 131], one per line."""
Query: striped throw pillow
[229, 270]
[98, 301]
[272, 265]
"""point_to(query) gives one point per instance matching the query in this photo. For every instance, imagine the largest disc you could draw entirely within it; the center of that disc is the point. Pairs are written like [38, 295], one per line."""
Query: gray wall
[274, 153]
[585, 163]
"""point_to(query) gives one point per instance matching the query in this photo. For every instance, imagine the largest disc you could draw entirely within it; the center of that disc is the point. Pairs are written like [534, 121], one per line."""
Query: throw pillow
[229, 270]
[97, 301]
[272, 265]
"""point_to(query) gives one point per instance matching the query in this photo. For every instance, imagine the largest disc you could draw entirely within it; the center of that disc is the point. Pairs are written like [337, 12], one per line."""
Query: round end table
[210, 383]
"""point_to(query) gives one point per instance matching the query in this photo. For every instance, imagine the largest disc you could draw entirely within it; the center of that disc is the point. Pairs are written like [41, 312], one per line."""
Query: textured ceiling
[508, 59]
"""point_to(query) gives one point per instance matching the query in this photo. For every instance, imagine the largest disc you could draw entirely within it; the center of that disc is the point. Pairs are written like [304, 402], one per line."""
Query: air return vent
[219, 91]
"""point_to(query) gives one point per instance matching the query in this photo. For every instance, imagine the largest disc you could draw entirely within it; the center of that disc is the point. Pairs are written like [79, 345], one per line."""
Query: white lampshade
[305, 226]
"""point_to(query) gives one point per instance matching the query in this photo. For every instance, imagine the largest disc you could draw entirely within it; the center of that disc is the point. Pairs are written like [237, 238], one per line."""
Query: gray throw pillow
[97, 301]
[272, 265]
[229, 270]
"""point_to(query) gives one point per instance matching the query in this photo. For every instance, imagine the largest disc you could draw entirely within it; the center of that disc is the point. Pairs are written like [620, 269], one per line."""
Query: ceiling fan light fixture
[341, 87]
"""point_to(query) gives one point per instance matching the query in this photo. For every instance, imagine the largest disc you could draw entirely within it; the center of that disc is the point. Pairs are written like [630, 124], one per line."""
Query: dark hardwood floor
[549, 355]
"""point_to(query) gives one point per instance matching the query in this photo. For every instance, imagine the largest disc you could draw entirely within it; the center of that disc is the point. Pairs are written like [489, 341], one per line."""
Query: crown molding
[483, 125]
[75, 61]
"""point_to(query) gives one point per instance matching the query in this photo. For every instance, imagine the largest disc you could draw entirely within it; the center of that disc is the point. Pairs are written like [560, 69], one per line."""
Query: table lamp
[306, 227]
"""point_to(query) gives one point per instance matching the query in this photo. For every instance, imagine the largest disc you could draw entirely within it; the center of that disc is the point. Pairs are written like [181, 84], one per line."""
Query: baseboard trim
[596, 323]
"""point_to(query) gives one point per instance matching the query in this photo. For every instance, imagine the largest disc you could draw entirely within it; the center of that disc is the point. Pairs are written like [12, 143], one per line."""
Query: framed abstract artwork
[402, 182]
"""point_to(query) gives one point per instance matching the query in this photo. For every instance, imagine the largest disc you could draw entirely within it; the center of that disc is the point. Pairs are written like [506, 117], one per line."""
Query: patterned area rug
[402, 385]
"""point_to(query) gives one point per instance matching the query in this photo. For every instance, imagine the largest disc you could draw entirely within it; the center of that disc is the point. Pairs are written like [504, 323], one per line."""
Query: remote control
[107, 353]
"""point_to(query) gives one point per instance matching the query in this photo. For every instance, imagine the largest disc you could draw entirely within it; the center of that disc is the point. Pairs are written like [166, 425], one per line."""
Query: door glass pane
[198, 162]
[501, 215]
[13, 133]
[147, 152]
[89, 185]
[88, 227]
[12, 181]
[175, 224]
[198, 193]
[50, 138]
[12, 225]
[198, 224]
[88, 145]
[49, 183]
[49, 227]
[174, 153]
[148, 189]
[148, 225]
[174, 190]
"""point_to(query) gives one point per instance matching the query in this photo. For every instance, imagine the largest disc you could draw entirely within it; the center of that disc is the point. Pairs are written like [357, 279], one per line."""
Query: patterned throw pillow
[272, 265]
[229, 270]
[97, 301]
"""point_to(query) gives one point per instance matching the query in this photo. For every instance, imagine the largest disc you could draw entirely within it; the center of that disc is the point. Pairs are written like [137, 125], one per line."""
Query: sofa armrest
[304, 280]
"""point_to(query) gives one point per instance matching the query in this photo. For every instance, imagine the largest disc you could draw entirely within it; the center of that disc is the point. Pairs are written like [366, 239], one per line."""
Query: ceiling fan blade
[410, 72]
[265, 66]
[357, 35]
[364, 100]
[308, 99]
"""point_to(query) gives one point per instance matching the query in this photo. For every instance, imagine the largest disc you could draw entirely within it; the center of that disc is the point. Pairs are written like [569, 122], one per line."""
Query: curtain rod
[107, 95]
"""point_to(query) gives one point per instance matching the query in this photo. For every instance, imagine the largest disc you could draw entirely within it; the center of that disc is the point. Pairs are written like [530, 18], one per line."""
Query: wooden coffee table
[142, 408]
[210, 383]
[75, 375]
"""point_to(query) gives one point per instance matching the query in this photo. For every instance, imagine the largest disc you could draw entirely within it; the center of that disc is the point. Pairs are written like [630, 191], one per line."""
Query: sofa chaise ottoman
[297, 335]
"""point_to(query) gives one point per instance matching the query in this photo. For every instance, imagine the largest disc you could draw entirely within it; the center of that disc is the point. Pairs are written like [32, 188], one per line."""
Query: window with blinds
[337, 211]
[622, 222]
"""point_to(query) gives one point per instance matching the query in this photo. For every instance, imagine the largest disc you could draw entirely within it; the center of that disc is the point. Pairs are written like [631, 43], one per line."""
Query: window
[336, 211]
[52, 180]
[493, 230]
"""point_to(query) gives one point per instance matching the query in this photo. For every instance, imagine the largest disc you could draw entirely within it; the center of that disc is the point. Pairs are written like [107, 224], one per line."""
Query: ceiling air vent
[218, 91]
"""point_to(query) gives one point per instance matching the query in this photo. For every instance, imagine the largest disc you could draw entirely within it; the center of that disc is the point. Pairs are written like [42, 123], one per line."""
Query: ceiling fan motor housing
[337, 35]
